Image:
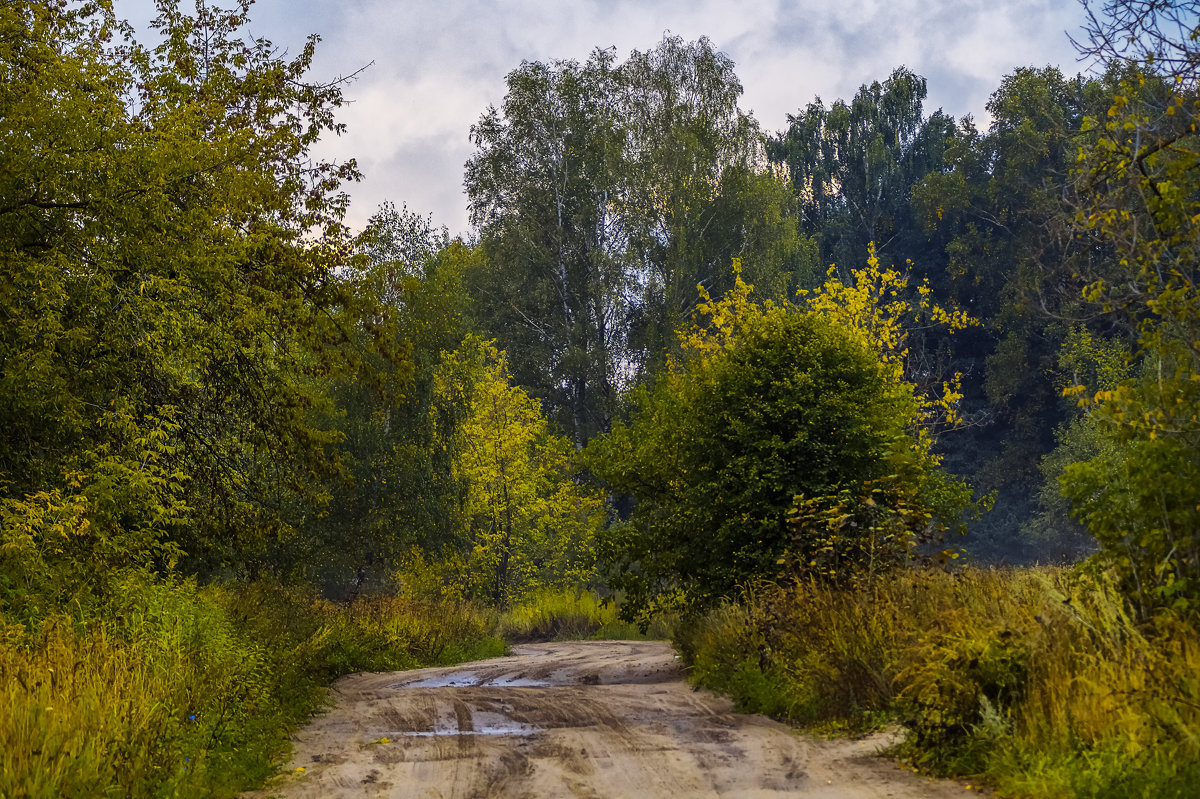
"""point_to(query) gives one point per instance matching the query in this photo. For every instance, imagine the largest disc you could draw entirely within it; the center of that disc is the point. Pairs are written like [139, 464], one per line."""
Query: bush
[787, 441]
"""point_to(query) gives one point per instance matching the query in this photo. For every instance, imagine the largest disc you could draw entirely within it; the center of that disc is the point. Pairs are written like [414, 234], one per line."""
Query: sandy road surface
[579, 719]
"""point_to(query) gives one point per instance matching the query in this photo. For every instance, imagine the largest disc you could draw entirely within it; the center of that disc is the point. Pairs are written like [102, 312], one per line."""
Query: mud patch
[607, 719]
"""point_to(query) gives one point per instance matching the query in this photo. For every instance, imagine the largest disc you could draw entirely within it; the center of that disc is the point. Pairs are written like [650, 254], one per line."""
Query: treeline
[679, 355]
[205, 370]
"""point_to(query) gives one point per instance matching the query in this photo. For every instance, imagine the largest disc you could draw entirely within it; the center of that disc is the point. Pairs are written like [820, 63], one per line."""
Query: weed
[165, 688]
[1038, 679]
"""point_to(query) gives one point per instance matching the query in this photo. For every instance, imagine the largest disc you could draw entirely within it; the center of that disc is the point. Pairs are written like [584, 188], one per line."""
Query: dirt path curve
[577, 719]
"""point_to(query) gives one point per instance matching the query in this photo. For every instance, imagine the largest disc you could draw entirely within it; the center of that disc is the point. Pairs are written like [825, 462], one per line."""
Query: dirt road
[579, 719]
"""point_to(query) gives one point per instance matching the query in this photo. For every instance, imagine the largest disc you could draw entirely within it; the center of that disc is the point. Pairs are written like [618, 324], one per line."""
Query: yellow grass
[1037, 678]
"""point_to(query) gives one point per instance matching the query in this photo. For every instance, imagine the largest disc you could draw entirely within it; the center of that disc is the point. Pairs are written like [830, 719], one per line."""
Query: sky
[435, 65]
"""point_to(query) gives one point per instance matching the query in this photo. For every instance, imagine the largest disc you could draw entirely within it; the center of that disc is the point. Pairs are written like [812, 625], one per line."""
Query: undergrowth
[163, 688]
[1038, 680]
[565, 614]
[154, 687]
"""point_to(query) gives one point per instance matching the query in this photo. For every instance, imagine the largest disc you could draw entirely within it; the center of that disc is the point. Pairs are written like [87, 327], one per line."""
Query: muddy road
[578, 719]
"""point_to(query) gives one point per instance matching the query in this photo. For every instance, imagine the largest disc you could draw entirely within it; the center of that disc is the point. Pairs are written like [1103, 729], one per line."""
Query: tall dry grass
[558, 614]
[1038, 679]
[168, 689]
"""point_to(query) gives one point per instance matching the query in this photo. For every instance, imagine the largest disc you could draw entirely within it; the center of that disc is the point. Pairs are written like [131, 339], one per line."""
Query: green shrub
[783, 440]
[727, 652]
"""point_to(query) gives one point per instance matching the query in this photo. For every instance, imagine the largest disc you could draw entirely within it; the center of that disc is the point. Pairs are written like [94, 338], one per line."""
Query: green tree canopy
[852, 165]
[398, 427]
[776, 428]
[167, 250]
[605, 193]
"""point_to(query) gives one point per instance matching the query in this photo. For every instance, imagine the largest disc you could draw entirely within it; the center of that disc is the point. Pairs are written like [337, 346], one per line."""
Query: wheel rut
[582, 719]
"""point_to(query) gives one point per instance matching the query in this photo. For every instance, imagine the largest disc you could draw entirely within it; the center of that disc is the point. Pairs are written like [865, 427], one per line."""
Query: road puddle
[476, 722]
[503, 729]
[471, 679]
[460, 679]
[518, 682]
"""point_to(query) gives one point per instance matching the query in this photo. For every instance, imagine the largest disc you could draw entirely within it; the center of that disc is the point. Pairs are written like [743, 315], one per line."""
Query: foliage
[528, 522]
[1101, 363]
[166, 277]
[204, 374]
[604, 193]
[1136, 186]
[738, 459]
[696, 193]
[878, 305]
[726, 651]
[852, 165]
[1038, 681]
[170, 689]
[553, 291]
[976, 217]
[398, 426]
[996, 215]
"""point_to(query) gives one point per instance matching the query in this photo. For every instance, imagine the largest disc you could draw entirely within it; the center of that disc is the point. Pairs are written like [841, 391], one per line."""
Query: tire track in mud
[585, 719]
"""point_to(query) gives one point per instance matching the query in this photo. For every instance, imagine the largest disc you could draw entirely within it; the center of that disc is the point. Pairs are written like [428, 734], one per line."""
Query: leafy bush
[781, 438]
[728, 652]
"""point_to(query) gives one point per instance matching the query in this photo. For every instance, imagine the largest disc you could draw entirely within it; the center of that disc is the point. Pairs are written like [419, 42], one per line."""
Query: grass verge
[1037, 680]
[165, 688]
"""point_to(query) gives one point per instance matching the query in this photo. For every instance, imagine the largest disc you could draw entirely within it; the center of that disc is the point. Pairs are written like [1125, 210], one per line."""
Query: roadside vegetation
[1036, 681]
[167, 688]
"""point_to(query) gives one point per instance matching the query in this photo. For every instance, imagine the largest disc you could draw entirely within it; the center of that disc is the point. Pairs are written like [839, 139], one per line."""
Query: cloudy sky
[437, 64]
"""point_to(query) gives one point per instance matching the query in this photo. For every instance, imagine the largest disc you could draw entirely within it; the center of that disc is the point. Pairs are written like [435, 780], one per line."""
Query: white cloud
[437, 65]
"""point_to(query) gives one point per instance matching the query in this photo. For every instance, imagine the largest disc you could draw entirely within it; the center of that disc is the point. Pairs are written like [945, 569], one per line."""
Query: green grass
[567, 614]
[168, 689]
[1037, 680]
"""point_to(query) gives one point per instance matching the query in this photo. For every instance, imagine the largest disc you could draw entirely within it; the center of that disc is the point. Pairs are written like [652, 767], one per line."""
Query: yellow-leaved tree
[528, 523]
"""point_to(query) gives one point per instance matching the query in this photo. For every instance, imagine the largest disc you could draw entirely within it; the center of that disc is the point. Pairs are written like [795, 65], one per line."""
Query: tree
[166, 278]
[605, 193]
[399, 430]
[696, 194]
[853, 165]
[775, 431]
[880, 308]
[995, 214]
[528, 523]
[540, 189]
[1137, 188]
